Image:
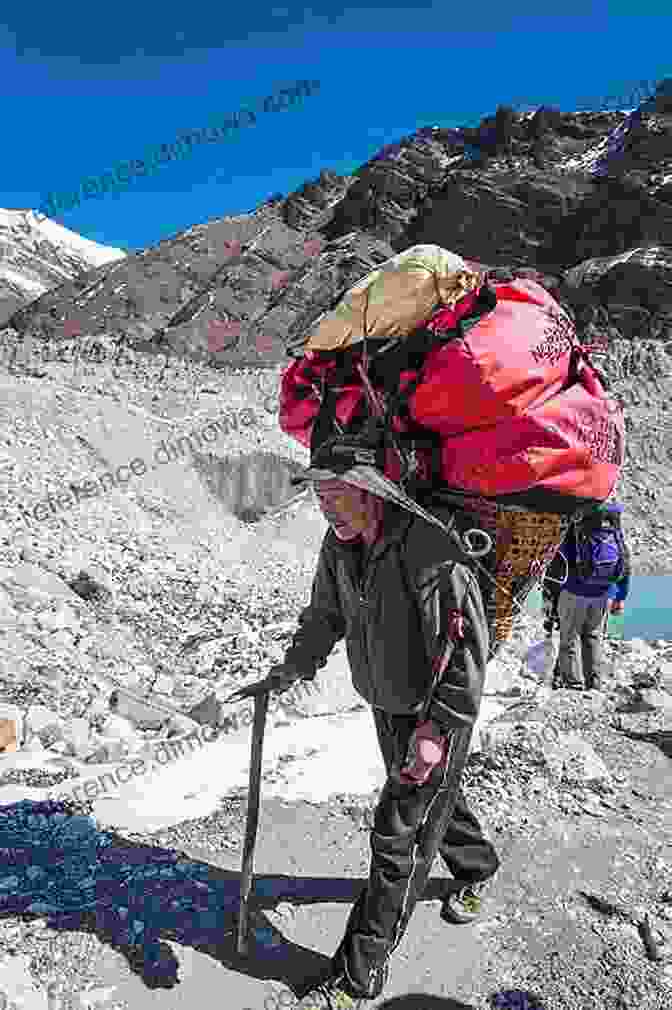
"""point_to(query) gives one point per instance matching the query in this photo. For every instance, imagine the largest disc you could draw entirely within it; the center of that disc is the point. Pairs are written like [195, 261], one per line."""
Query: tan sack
[394, 299]
[7, 736]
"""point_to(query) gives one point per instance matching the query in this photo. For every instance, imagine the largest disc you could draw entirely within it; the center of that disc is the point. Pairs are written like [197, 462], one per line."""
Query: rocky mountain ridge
[584, 198]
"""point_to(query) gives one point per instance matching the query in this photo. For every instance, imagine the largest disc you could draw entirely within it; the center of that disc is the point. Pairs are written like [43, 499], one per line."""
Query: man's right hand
[616, 607]
[279, 679]
[285, 676]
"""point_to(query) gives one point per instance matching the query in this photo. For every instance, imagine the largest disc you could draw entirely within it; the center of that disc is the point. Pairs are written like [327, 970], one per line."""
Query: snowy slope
[37, 254]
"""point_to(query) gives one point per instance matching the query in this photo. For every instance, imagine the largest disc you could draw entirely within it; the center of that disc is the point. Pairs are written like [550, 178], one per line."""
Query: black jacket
[393, 614]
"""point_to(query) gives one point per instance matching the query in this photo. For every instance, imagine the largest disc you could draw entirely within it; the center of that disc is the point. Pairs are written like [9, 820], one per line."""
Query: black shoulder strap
[324, 424]
[423, 341]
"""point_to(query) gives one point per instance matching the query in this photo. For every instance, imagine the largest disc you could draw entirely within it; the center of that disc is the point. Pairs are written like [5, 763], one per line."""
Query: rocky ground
[578, 808]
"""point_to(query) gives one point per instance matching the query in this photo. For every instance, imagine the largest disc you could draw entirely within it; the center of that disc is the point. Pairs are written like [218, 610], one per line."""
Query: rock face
[233, 292]
[585, 198]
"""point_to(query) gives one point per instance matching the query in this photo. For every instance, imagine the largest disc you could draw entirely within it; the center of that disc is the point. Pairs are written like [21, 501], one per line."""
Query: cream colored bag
[394, 299]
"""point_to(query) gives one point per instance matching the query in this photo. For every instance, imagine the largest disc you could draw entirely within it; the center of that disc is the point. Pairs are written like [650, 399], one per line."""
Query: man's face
[344, 508]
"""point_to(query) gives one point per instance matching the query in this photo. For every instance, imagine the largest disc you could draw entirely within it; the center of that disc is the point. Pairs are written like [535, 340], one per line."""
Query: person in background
[598, 581]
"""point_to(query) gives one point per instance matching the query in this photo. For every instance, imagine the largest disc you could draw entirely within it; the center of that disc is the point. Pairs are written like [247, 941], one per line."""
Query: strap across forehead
[337, 490]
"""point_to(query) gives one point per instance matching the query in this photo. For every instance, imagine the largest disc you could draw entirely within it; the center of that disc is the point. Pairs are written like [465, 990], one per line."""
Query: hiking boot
[562, 682]
[463, 905]
[330, 994]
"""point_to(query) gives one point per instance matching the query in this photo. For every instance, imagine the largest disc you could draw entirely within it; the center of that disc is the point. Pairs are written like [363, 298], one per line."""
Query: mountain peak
[38, 254]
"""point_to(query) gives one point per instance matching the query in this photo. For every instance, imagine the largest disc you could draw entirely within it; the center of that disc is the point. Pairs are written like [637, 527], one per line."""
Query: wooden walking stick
[260, 693]
[260, 707]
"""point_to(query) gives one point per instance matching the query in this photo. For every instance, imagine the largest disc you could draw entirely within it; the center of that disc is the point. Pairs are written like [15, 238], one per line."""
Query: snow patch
[28, 221]
[308, 759]
[22, 282]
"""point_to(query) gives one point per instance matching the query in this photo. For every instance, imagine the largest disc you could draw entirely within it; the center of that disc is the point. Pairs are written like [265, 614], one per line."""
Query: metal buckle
[475, 552]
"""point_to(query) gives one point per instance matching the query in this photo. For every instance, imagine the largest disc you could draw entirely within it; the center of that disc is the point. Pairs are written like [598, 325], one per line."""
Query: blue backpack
[600, 552]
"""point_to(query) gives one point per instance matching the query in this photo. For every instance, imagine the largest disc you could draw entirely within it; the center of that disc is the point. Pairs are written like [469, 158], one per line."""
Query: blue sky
[85, 87]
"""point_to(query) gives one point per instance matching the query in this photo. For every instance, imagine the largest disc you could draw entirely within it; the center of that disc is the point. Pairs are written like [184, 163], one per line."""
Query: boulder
[164, 684]
[180, 724]
[638, 649]
[41, 582]
[233, 626]
[659, 701]
[529, 740]
[40, 718]
[117, 728]
[581, 765]
[34, 745]
[207, 712]
[105, 751]
[77, 733]
[140, 711]
[665, 676]
[646, 678]
[565, 757]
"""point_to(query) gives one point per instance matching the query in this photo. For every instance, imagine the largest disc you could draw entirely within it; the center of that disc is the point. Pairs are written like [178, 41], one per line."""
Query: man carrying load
[449, 466]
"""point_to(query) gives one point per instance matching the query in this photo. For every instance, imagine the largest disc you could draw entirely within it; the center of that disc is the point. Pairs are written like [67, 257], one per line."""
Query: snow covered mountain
[37, 254]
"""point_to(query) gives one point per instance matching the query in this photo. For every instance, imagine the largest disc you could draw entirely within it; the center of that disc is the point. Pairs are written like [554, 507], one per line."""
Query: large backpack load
[458, 387]
[491, 389]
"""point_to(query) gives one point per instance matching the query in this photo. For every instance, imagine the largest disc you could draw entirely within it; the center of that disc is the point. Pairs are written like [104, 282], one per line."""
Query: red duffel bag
[518, 405]
[503, 385]
[301, 392]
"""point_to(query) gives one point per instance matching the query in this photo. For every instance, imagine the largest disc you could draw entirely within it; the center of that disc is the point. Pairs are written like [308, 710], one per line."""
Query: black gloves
[283, 676]
[280, 678]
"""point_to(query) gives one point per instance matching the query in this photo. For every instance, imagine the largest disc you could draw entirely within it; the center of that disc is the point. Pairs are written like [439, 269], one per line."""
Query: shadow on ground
[57, 865]
[423, 1001]
[505, 1000]
[662, 738]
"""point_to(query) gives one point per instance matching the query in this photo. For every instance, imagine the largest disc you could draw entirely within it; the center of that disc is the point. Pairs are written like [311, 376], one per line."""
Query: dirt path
[537, 934]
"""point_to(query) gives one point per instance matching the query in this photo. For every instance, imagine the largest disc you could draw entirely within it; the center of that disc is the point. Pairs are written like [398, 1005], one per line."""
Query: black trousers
[412, 824]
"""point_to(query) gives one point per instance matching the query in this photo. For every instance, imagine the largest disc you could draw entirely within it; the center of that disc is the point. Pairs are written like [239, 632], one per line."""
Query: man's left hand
[428, 749]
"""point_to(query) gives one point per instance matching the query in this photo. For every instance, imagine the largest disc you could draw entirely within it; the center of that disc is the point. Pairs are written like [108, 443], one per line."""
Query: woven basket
[525, 541]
